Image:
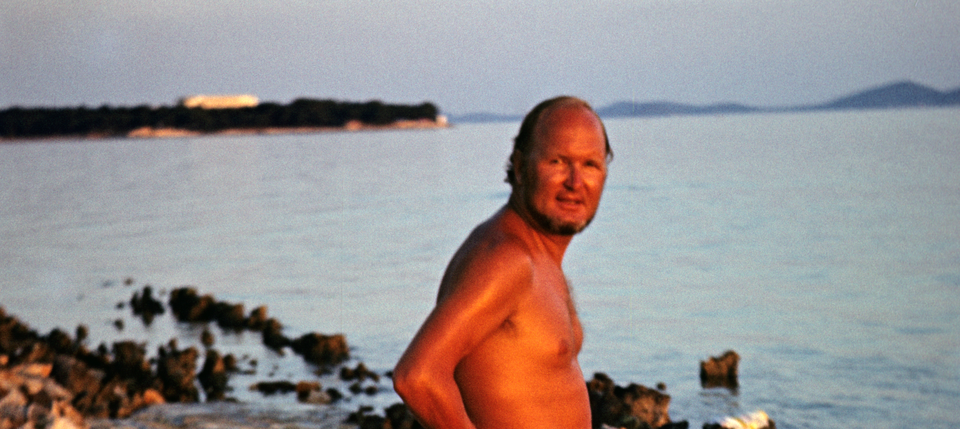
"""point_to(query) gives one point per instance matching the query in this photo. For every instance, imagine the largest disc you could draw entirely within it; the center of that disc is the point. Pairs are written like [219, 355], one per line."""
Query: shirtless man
[500, 348]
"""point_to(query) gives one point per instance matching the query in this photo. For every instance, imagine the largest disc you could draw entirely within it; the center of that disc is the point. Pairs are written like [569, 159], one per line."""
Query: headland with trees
[301, 115]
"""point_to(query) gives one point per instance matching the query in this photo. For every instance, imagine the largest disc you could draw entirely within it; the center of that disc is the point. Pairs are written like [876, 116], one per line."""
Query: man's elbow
[404, 380]
[410, 380]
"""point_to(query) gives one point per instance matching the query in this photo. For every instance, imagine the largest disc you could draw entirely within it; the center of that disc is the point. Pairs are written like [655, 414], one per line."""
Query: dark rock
[400, 417]
[230, 363]
[60, 342]
[322, 349]
[118, 399]
[14, 335]
[364, 419]
[176, 370]
[188, 306]
[272, 387]
[648, 405]
[129, 362]
[273, 335]
[83, 382]
[361, 411]
[374, 422]
[603, 408]
[82, 333]
[310, 392]
[257, 319]
[37, 352]
[630, 407]
[145, 305]
[230, 316]
[359, 373]
[213, 377]
[720, 371]
[334, 394]
[206, 338]
[113, 401]
[69, 377]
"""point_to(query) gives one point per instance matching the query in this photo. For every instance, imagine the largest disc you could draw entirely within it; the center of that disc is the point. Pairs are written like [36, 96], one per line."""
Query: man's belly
[500, 394]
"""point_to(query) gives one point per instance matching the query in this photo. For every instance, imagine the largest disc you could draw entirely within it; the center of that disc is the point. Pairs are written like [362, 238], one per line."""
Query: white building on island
[219, 101]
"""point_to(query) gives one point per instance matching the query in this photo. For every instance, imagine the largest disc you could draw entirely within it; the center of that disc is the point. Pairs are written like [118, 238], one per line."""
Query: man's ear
[516, 160]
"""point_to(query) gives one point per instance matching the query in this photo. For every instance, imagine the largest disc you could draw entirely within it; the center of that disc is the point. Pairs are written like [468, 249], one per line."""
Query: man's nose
[574, 177]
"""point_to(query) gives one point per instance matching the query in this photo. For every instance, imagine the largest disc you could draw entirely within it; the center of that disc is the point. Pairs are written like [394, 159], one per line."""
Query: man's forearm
[436, 404]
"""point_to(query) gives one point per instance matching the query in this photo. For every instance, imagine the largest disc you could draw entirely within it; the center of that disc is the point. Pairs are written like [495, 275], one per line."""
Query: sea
[822, 247]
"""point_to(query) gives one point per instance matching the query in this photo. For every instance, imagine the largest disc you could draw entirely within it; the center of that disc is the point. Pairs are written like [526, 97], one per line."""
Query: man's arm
[477, 296]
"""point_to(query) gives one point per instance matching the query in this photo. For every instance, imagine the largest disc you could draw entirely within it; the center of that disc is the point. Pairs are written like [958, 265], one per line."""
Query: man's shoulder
[498, 248]
[501, 238]
[491, 257]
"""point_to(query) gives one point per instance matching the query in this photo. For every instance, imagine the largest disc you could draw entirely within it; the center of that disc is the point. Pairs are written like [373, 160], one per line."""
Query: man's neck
[555, 245]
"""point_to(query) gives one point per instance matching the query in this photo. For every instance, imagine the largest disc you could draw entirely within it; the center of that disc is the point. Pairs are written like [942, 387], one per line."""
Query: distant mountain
[895, 95]
[627, 109]
[899, 94]
[484, 117]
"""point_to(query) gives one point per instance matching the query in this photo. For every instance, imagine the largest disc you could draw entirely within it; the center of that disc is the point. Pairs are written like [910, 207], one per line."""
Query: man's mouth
[570, 202]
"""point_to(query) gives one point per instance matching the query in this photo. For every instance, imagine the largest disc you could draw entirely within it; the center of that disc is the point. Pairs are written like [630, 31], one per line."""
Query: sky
[495, 56]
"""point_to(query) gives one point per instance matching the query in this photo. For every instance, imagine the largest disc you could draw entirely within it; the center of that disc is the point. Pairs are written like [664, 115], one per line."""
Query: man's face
[562, 177]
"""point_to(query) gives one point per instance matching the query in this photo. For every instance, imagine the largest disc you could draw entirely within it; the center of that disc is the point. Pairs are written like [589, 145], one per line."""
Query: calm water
[824, 248]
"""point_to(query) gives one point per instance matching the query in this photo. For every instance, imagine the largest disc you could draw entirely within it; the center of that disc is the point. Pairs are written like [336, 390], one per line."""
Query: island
[896, 95]
[200, 115]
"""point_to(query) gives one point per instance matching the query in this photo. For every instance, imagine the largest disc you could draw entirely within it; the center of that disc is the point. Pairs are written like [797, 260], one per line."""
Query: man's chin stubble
[554, 226]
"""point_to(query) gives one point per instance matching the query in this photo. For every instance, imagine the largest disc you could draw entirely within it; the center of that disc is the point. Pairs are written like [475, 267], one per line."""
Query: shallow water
[229, 415]
[824, 248]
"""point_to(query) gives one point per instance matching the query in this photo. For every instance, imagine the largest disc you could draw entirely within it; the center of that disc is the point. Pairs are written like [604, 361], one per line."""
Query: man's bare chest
[545, 322]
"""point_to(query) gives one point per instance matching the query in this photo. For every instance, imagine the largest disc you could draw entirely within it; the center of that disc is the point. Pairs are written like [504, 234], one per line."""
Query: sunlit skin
[500, 348]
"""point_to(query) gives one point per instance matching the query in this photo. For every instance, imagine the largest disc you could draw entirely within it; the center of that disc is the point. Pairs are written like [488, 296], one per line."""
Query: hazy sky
[498, 56]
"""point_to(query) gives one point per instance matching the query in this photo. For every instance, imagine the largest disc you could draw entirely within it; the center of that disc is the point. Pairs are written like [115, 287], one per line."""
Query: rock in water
[230, 316]
[188, 306]
[257, 319]
[720, 371]
[176, 369]
[213, 377]
[630, 407]
[145, 305]
[272, 335]
[322, 349]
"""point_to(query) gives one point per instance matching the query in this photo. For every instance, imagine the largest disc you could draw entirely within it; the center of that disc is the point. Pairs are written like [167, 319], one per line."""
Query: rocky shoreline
[56, 381]
[168, 132]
